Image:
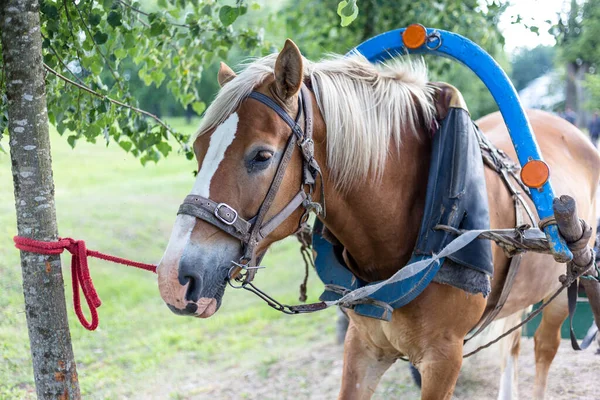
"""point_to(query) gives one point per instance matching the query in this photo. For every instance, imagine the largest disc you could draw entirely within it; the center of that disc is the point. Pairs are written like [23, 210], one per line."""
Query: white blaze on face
[220, 140]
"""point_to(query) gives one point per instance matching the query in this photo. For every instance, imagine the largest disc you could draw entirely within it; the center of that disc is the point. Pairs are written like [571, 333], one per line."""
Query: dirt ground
[315, 373]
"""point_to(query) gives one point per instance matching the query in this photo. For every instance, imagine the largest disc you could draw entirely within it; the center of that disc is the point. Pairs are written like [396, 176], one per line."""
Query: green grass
[106, 197]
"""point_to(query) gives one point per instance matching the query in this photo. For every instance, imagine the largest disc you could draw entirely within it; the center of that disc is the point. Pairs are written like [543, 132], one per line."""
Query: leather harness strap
[251, 232]
[497, 160]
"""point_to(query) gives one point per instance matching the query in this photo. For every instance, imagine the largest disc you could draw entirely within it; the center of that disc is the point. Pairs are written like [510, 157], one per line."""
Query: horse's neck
[378, 223]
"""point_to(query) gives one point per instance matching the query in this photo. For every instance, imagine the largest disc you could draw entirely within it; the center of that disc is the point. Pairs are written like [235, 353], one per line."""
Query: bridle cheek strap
[251, 232]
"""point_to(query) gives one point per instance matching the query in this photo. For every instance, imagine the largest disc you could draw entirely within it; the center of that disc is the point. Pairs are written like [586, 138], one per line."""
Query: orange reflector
[414, 36]
[535, 173]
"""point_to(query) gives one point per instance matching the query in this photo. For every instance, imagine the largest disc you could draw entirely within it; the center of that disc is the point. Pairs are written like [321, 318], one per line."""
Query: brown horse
[372, 141]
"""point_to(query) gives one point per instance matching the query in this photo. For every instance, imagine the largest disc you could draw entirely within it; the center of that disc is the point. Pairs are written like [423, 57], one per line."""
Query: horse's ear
[289, 71]
[225, 74]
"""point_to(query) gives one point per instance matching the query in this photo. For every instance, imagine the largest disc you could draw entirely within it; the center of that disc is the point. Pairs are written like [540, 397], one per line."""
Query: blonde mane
[366, 108]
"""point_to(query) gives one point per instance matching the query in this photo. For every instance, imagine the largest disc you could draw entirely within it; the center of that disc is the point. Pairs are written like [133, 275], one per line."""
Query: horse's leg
[509, 348]
[364, 365]
[547, 341]
[439, 368]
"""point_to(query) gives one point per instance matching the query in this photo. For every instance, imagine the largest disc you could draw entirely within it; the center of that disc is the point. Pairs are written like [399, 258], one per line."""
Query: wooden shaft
[570, 227]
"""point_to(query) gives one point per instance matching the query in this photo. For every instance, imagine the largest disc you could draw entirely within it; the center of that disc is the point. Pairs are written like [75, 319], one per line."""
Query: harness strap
[513, 268]
[258, 230]
[266, 205]
[219, 214]
[269, 102]
[515, 261]
[278, 219]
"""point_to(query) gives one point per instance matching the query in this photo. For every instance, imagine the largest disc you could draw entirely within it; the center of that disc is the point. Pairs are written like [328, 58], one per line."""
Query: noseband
[251, 232]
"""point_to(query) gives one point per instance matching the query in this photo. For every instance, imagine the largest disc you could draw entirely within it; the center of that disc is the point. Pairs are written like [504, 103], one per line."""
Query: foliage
[348, 11]
[154, 56]
[317, 31]
[529, 64]
[107, 49]
[578, 39]
[578, 33]
[592, 84]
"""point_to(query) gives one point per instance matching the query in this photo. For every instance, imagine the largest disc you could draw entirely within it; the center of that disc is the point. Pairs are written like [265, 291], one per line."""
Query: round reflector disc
[414, 36]
[535, 174]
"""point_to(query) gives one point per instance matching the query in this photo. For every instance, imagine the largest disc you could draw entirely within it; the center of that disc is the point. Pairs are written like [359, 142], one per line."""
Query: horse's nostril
[191, 289]
[191, 307]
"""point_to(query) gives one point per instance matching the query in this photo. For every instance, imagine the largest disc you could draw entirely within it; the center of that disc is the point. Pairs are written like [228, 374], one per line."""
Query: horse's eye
[263, 156]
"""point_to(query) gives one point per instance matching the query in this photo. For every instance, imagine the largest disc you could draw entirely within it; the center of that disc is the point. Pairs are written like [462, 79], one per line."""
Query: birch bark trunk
[43, 287]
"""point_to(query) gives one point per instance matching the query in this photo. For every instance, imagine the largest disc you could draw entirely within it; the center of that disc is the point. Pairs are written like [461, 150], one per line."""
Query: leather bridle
[251, 232]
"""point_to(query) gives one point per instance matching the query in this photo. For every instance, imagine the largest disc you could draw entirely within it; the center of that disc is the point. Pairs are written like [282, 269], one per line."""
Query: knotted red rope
[80, 273]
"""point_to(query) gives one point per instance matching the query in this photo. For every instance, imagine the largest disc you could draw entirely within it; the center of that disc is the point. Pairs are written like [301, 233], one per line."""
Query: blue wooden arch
[461, 49]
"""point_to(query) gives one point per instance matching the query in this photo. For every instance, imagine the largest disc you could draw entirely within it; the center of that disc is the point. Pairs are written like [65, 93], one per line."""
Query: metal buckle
[308, 148]
[230, 209]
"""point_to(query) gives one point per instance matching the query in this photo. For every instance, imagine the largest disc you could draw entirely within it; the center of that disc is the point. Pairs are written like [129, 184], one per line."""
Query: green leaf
[157, 77]
[49, 10]
[114, 18]
[162, 3]
[157, 27]
[198, 107]
[94, 19]
[228, 15]
[120, 53]
[100, 37]
[206, 10]
[96, 67]
[125, 145]
[72, 140]
[164, 148]
[93, 131]
[255, 6]
[129, 41]
[348, 11]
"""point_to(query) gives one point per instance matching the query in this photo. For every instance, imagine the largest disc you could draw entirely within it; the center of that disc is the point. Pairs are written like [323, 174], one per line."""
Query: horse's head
[241, 144]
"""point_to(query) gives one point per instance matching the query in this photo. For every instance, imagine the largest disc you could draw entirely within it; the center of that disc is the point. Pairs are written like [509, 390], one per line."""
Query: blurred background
[549, 48]
[542, 45]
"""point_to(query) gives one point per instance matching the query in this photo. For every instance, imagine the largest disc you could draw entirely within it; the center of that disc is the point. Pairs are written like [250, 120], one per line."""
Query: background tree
[578, 39]
[528, 64]
[316, 28]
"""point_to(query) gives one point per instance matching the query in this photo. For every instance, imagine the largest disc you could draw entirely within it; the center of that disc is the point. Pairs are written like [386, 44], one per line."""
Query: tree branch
[71, 30]
[147, 25]
[137, 10]
[60, 60]
[114, 74]
[119, 103]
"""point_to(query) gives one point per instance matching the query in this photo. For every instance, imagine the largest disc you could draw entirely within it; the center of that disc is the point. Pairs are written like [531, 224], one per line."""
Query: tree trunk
[571, 89]
[582, 114]
[53, 364]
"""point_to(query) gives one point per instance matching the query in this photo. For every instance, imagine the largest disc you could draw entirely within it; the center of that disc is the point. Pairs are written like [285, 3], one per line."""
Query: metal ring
[432, 37]
[229, 279]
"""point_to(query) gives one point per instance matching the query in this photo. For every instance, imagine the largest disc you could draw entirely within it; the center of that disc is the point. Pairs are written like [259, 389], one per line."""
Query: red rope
[80, 273]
